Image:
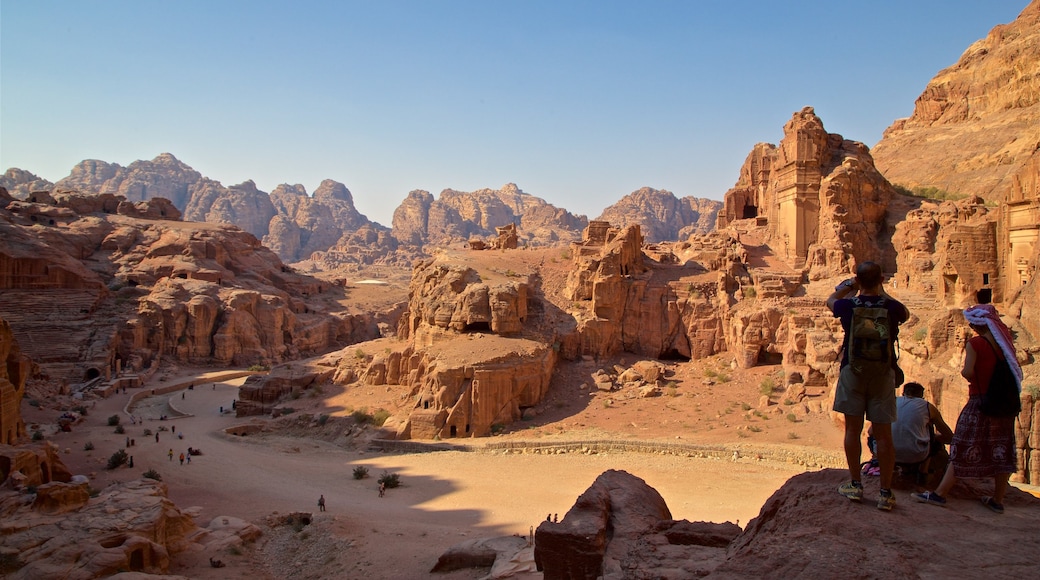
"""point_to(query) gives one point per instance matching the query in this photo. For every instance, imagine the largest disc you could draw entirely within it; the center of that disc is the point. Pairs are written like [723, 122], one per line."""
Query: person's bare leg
[947, 481]
[886, 453]
[1000, 485]
[853, 444]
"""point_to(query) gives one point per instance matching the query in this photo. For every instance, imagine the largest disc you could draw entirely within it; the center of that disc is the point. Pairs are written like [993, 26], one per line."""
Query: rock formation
[20, 183]
[89, 280]
[457, 216]
[819, 196]
[661, 216]
[977, 122]
[243, 205]
[165, 176]
[15, 369]
[621, 528]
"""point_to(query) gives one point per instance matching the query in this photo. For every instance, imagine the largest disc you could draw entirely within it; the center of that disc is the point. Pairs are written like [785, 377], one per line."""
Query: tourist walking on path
[983, 445]
[321, 503]
[867, 380]
[170, 454]
[182, 459]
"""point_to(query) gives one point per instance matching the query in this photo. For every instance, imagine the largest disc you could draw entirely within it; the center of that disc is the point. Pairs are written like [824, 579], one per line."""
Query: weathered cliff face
[15, 369]
[128, 527]
[243, 205]
[820, 197]
[20, 183]
[977, 122]
[661, 216]
[949, 251]
[457, 216]
[85, 290]
[165, 176]
[455, 298]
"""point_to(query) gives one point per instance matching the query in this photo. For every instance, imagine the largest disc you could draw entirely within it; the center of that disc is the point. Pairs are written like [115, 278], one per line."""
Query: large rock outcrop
[165, 176]
[976, 123]
[456, 216]
[20, 183]
[119, 282]
[819, 195]
[661, 216]
[15, 369]
[621, 528]
[130, 527]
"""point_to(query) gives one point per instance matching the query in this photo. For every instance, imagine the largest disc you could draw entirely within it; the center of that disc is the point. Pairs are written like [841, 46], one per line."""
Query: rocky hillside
[977, 122]
[20, 183]
[457, 216]
[94, 283]
[661, 216]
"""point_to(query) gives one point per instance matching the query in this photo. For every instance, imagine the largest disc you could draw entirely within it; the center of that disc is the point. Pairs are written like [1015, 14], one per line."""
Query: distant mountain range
[327, 228]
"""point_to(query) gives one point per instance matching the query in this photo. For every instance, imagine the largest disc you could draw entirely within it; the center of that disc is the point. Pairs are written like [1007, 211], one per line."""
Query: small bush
[88, 446]
[359, 354]
[259, 368]
[152, 474]
[792, 435]
[322, 419]
[724, 378]
[750, 292]
[754, 428]
[113, 420]
[118, 458]
[390, 480]
[37, 435]
[120, 430]
[93, 491]
[147, 432]
[34, 403]
[920, 334]
[360, 472]
[745, 406]
[1034, 391]
[792, 418]
[766, 386]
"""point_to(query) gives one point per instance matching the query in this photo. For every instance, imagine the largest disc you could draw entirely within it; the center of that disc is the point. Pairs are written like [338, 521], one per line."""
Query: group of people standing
[981, 445]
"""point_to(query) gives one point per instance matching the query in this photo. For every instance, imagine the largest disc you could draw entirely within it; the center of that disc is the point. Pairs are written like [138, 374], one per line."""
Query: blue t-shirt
[843, 310]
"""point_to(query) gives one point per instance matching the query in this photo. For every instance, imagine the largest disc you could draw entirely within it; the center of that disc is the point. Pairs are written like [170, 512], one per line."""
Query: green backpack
[870, 341]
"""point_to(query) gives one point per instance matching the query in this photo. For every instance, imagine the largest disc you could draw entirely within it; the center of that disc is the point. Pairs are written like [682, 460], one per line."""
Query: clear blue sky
[579, 103]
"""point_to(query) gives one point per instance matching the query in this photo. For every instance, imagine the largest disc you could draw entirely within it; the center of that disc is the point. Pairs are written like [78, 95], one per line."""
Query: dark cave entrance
[750, 211]
[478, 327]
[673, 354]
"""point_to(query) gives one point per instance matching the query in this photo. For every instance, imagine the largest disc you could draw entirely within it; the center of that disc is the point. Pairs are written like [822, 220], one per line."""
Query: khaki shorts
[873, 394]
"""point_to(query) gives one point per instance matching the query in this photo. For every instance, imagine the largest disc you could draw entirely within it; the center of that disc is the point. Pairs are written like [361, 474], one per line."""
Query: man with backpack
[867, 381]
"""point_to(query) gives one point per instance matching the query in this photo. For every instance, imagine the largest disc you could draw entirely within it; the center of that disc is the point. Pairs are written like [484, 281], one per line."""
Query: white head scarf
[986, 314]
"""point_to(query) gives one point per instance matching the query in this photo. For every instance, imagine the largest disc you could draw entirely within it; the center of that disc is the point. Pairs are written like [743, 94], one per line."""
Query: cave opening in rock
[750, 211]
[673, 354]
[477, 327]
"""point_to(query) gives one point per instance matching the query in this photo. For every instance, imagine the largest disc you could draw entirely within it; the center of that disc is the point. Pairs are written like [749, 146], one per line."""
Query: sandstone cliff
[457, 216]
[93, 284]
[977, 122]
[820, 197]
[20, 183]
[661, 216]
[15, 369]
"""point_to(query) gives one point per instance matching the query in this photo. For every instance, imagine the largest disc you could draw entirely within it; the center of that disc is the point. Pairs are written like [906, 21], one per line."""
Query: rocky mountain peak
[333, 190]
[661, 215]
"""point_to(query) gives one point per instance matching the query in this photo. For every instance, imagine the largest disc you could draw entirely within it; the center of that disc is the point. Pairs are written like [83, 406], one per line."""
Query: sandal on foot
[997, 508]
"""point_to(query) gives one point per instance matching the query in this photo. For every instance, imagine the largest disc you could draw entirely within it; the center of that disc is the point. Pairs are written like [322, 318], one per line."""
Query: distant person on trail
[867, 380]
[170, 454]
[182, 459]
[321, 503]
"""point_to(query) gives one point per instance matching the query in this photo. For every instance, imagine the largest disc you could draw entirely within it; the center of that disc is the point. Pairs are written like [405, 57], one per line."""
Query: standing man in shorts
[867, 381]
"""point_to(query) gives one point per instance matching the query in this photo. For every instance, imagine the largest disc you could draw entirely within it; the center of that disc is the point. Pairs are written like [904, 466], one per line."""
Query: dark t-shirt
[843, 310]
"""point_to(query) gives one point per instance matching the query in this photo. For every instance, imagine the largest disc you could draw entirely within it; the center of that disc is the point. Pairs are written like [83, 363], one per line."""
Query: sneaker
[852, 490]
[997, 508]
[886, 501]
[930, 497]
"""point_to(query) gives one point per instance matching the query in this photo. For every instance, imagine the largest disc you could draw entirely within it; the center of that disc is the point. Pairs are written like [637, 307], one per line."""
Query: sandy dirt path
[444, 498]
